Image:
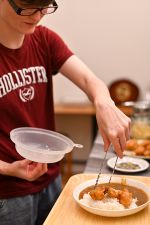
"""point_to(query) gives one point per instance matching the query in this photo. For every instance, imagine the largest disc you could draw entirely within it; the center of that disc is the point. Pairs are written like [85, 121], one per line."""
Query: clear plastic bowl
[40, 145]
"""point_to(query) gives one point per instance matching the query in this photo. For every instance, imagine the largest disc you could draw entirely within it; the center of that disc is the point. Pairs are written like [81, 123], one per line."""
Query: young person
[29, 56]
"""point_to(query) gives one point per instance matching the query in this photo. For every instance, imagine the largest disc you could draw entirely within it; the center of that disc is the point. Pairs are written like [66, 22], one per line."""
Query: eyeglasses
[30, 11]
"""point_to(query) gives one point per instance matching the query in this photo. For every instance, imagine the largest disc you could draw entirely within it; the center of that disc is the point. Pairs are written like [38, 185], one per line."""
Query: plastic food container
[41, 145]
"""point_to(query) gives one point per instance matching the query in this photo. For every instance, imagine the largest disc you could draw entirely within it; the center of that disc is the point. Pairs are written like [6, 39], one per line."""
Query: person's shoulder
[44, 31]
[41, 28]
[45, 34]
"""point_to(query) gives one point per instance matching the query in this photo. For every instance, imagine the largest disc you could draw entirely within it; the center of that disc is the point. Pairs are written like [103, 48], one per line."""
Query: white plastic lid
[41, 145]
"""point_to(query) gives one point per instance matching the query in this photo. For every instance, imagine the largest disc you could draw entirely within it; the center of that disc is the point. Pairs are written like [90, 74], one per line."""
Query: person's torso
[26, 97]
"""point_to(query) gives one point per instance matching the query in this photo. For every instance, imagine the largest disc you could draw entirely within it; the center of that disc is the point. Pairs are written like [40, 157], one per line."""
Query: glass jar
[140, 120]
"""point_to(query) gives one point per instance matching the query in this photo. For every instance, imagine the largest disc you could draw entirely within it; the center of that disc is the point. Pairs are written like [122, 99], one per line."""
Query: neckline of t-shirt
[23, 47]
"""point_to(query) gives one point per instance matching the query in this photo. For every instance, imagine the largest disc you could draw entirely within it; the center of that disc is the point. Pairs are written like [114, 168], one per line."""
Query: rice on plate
[107, 203]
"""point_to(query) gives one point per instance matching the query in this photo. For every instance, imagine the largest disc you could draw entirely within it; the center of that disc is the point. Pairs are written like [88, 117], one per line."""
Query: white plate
[143, 164]
[111, 213]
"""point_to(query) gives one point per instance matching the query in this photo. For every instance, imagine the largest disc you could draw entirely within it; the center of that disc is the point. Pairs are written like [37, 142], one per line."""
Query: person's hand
[24, 169]
[114, 126]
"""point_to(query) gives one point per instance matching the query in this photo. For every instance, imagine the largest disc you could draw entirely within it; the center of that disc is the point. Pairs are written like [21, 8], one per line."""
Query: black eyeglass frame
[18, 10]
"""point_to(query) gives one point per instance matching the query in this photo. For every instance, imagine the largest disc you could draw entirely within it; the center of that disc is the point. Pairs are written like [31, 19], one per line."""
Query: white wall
[111, 36]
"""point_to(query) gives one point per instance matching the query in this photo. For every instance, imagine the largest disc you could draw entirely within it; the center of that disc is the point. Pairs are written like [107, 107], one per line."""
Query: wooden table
[67, 212]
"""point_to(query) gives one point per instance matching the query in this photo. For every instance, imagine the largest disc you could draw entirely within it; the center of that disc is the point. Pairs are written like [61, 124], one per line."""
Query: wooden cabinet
[83, 109]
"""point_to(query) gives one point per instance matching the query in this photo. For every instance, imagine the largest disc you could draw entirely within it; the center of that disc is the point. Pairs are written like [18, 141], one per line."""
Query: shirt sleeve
[58, 51]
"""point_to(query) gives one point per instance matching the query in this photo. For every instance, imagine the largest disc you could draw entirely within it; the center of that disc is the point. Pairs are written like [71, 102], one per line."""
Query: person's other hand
[114, 126]
[24, 169]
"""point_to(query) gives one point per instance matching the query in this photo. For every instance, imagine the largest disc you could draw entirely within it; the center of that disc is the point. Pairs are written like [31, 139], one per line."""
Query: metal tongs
[100, 171]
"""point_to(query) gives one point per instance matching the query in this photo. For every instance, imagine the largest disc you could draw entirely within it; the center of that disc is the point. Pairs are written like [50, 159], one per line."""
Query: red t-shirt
[26, 99]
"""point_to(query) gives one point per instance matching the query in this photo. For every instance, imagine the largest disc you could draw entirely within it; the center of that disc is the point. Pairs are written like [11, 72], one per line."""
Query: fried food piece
[147, 152]
[145, 143]
[147, 147]
[131, 144]
[125, 198]
[98, 193]
[113, 193]
[140, 150]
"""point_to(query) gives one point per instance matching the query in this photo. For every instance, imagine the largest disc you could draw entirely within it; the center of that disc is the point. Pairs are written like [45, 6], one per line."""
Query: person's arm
[113, 124]
[24, 169]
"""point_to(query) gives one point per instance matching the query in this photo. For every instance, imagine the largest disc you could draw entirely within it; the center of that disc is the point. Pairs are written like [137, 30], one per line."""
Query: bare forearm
[75, 70]
[113, 125]
[97, 91]
[4, 168]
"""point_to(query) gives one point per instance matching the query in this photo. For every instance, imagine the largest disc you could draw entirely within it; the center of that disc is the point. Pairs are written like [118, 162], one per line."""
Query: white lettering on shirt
[20, 78]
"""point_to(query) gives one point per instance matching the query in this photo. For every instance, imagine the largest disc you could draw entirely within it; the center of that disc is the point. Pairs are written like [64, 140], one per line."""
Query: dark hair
[37, 2]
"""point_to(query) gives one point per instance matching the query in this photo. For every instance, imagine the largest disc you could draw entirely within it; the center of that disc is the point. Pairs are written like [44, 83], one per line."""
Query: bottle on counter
[140, 120]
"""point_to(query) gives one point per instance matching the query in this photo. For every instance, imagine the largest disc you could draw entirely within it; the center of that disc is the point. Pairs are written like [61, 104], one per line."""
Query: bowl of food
[121, 197]
[41, 145]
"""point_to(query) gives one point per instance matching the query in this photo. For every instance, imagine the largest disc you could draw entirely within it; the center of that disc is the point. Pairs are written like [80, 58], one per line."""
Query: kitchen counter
[67, 212]
[96, 156]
